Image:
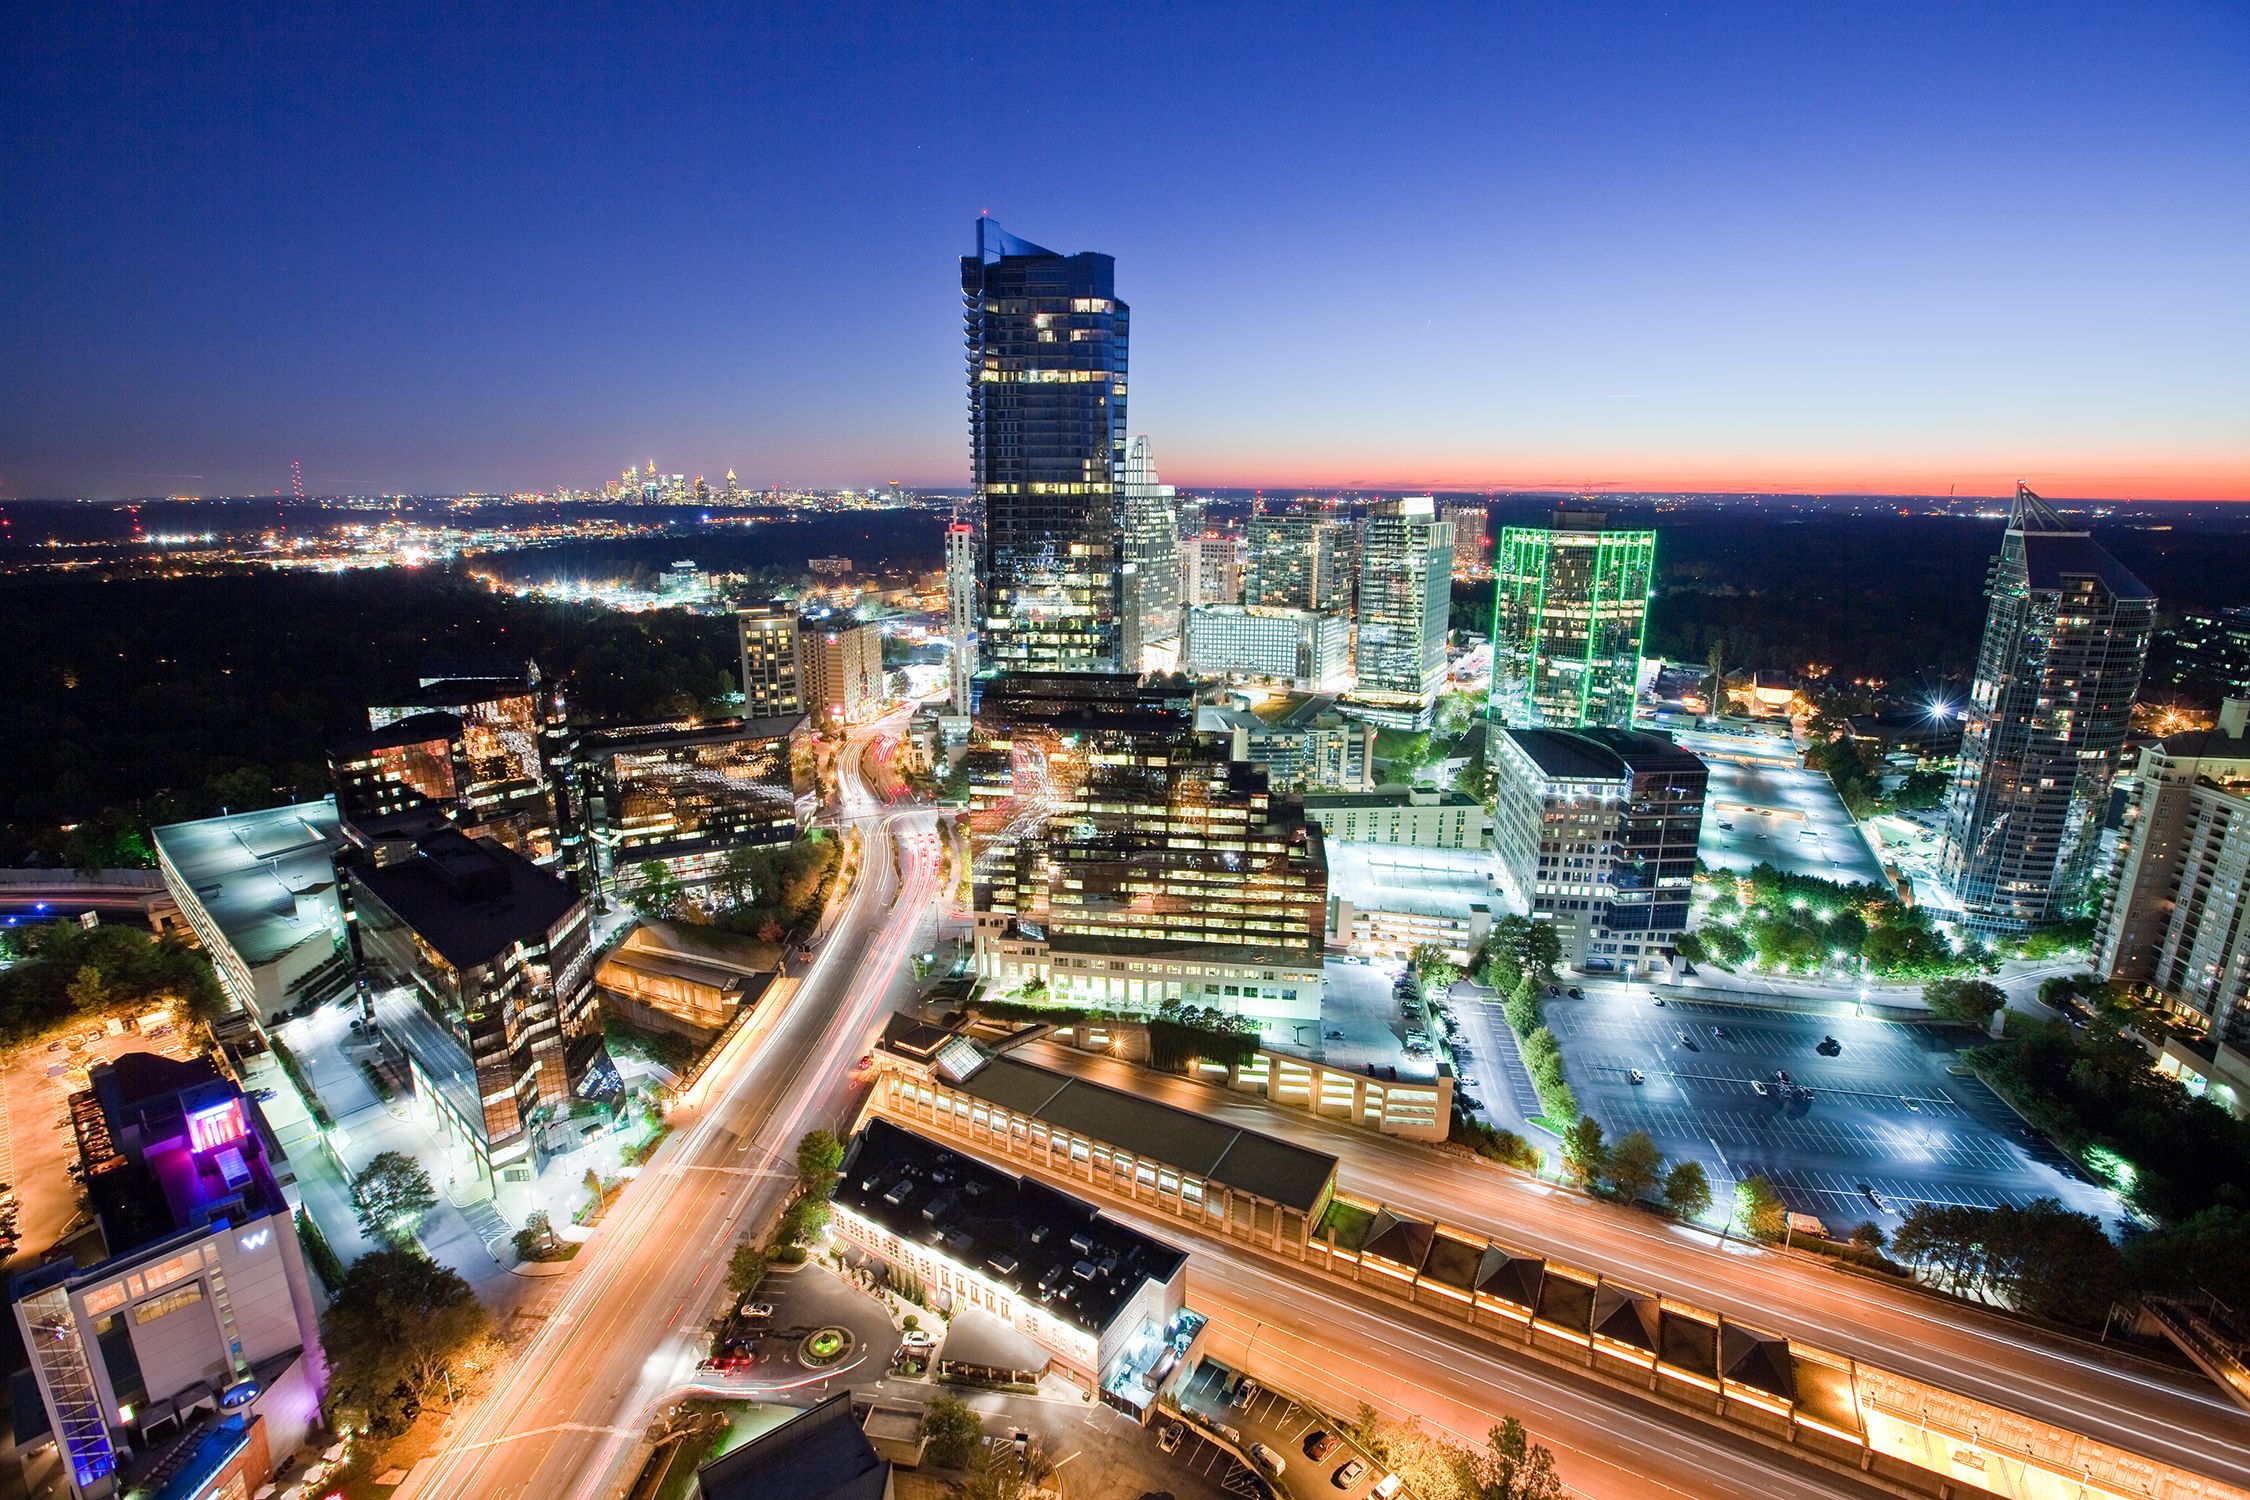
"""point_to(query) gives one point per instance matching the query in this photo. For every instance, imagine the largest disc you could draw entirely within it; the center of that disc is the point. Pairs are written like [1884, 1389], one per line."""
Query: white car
[1268, 1460]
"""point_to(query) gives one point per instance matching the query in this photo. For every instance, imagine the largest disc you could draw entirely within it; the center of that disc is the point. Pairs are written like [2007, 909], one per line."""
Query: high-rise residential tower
[1569, 616]
[2173, 920]
[1046, 362]
[2065, 640]
[1149, 634]
[961, 611]
[771, 679]
[1469, 518]
[1405, 599]
[1298, 560]
[1212, 571]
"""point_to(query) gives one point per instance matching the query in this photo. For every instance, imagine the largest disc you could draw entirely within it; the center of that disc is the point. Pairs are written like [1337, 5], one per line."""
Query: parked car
[1656, 1000]
[757, 1312]
[1635, 1075]
[1758, 1087]
[1348, 1475]
[1319, 1443]
[1244, 1393]
[1168, 1440]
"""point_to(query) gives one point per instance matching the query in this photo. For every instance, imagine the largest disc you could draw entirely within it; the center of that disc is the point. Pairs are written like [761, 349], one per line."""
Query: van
[1385, 1488]
[1268, 1460]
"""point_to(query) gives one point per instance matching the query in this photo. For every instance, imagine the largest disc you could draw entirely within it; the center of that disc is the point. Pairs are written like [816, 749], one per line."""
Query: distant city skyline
[1739, 248]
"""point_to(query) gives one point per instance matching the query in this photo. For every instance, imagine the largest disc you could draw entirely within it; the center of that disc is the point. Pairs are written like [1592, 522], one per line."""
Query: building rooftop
[470, 899]
[618, 739]
[414, 729]
[1602, 754]
[248, 870]
[2051, 557]
[1414, 879]
[1219, 1153]
[454, 692]
[1389, 796]
[1056, 1251]
[819, 1454]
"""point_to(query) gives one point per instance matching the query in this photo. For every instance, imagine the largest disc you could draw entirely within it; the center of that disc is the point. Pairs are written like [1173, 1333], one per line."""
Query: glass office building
[1569, 617]
[1150, 637]
[2065, 640]
[1046, 339]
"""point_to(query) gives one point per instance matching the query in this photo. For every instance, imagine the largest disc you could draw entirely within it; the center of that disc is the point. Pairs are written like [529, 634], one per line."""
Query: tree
[1687, 1191]
[88, 990]
[1582, 1149]
[398, 1324]
[1921, 791]
[736, 874]
[537, 1237]
[1971, 1001]
[1759, 1209]
[660, 893]
[1869, 1236]
[1636, 1166]
[1534, 945]
[1437, 971]
[1522, 1008]
[392, 1195]
[804, 1221]
[1512, 1467]
[746, 1268]
[952, 1431]
[1715, 682]
[819, 1154]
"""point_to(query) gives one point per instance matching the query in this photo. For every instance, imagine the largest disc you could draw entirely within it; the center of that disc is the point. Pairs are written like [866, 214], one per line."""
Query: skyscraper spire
[2030, 513]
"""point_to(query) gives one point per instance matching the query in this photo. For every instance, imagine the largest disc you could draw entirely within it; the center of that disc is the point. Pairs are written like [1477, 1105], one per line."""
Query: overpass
[69, 892]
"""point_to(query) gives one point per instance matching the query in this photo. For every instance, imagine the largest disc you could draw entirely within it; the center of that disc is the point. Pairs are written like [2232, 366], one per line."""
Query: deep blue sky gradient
[1791, 245]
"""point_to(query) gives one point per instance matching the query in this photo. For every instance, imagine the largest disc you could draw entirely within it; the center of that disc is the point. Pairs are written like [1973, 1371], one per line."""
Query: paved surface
[1360, 1023]
[1274, 1418]
[1487, 1063]
[37, 1146]
[620, 1333]
[1765, 807]
[1886, 1113]
[2070, 1382]
[1335, 1347]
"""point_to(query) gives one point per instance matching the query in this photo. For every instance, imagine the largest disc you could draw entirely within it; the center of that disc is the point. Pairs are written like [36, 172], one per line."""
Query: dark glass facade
[2065, 641]
[1097, 819]
[1046, 339]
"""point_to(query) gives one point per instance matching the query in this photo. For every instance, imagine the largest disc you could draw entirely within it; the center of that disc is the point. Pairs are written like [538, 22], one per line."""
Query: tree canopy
[392, 1194]
[395, 1331]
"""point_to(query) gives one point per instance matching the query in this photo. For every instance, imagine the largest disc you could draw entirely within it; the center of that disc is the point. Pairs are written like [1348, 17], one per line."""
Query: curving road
[620, 1331]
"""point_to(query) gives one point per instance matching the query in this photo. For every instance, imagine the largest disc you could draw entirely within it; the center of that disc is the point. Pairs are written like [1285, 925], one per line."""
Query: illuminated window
[170, 1302]
[216, 1125]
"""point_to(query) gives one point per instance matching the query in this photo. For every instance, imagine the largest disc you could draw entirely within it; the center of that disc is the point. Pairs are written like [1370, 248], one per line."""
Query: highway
[620, 1331]
[2068, 1382]
[1298, 1334]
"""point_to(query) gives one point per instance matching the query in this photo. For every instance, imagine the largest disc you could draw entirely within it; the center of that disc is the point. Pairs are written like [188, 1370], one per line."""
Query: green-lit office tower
[1568, 619]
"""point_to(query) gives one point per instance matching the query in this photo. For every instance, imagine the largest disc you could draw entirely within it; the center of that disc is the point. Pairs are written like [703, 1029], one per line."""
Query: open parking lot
[1884, 1114]
[37, 1146]
[1764, 807]
[1289, 1430]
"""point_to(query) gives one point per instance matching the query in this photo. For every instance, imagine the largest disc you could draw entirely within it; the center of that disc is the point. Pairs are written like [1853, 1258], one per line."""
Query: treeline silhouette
[141, 701]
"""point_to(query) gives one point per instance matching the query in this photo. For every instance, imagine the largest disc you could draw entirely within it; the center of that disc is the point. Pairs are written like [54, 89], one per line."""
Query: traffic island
[824, 1347]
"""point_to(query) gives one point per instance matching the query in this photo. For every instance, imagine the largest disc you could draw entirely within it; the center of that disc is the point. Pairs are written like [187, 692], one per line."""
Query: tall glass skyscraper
[1405, 600]
[1150, 586]
[1046, 362]
[2065, 640]
[1568, 619]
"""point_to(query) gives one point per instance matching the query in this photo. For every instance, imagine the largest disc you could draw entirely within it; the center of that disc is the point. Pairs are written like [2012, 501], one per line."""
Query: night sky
[1839, 247]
